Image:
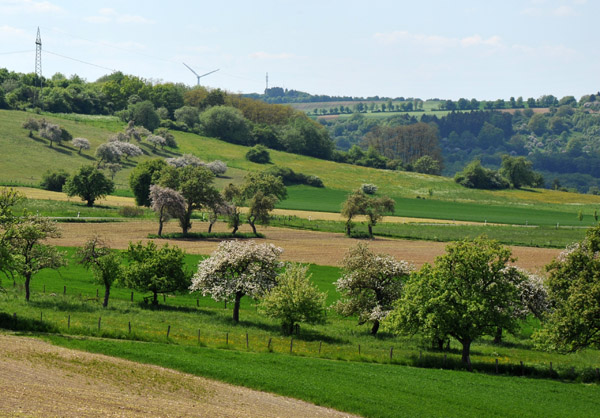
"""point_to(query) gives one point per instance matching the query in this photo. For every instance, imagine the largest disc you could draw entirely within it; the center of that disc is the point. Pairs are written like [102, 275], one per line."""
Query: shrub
[131, 211]
[368, 188]
[54, 180]
[475, 176]
[290, 177]
[258, 154]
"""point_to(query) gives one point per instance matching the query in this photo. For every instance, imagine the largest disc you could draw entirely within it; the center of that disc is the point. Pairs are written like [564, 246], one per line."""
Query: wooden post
[164, 297]
[69, 322]
[225, 305]
[168, 331]
[41, 316]
[129, 326]
[198, 335]
[226, 338]
[246, 341]
[99, 321]
[320, 343]
[522, 369]
[291, 345]
[132, 296]
[391, 353]
[359, 349]
[96, 293]
[269, 345]
[197, 303]
[64, 290]
[496, 366]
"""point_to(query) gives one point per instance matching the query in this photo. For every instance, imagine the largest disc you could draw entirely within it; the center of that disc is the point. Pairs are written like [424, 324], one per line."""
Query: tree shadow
[38, 139]
[63, 305]
[87, 157]
[170, 308]
[61, 150]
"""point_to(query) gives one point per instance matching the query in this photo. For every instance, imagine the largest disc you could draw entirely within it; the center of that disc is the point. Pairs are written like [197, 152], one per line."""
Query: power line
[78, 60]
[15, 52]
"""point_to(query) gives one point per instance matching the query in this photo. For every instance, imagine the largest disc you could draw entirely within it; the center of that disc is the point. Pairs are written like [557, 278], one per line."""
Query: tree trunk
[155, 299]
[235, 229]
[160, 227]
[498, 336]
[251, 223]
[210, 225]
[27, 281]
[106, 295]
[370, 230]
[466, 353]
[348, 228]
[375, 327]
[90, 202]
[236, 306]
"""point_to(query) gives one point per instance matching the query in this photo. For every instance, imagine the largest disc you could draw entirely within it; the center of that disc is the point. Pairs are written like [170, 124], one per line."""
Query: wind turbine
[200, 76]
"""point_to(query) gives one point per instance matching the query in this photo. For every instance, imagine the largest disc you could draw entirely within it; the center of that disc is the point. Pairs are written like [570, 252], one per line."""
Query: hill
[26, 159]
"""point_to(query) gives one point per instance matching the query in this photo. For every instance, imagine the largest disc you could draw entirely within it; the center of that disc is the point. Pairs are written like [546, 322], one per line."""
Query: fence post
[164, 298]
[359, 349]
[132, 296]
[269, 344]
[168, 331]
[291, 345]
[497, 366]
[198, 335]
[41, 316]
[225, 305]
[197, 303]
[99, 320]
[320, 344]
[64, 290]
[246, 341]
[391, 353]
[96, 292]
[226, 338]
[129, 325]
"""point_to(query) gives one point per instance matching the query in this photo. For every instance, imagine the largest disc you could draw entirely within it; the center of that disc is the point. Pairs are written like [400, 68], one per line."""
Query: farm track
[42, 380]
[322, 248]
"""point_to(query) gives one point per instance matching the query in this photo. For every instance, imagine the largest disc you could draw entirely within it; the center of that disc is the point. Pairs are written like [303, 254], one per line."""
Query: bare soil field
[41, 380]
[300, 246]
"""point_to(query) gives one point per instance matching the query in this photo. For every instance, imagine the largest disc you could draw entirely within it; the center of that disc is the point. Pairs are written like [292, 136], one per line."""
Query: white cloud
[267, 55]
[27, 6]
[11, 31]
[435, 41]
[564, 11]
[107, 15]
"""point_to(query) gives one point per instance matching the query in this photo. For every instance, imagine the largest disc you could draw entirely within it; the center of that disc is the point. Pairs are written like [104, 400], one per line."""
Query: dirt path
[301, 246]
[41, 380]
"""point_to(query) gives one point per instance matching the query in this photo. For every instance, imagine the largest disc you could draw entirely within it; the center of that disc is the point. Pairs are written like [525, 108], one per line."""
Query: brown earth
[41, 380]
[300, 246]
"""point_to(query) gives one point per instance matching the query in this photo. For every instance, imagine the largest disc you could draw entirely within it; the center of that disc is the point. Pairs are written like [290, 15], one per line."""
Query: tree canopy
[89, 184]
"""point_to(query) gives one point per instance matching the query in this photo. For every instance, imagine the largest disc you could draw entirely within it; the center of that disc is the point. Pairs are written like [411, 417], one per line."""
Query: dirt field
[41, 380]
[301, 246]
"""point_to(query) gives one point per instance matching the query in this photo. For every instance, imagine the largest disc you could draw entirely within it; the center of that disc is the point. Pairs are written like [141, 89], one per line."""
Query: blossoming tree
[237, 269]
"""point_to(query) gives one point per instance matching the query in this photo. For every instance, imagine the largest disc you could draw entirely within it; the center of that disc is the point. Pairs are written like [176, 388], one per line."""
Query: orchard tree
[295, 299]
[261, 191]
[168, 136]
[375, 208]
[105, 264]
[574, 293]
[518, 171]
[156, 270]
[370, 284]
[142, 176]
[353, 206]
[108, 152]
[233, 198]
[51, 132]
[195, 185]
[8, 199]
[156, 140]
[166, 203]
[127, 149]
[471, 291]
[29, 255]
[218, 167]
[89, 184]
[237, 269]
[81, 143]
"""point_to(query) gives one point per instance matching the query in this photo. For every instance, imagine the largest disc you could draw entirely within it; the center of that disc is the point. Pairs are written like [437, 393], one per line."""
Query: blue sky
[426, 49]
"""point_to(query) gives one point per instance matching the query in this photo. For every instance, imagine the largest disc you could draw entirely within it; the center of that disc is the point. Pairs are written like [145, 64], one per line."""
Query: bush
[290, 177]
[258, 154]
[54, 180]
[475, 176]
[369, 188]
[131, 211]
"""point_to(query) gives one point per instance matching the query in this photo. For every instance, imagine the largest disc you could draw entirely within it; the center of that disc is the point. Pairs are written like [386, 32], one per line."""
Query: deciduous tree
[295, 299]
[237, 269]
[166, 203]
[469, 292]
[89, 184]
[105, 264]
[370, 284]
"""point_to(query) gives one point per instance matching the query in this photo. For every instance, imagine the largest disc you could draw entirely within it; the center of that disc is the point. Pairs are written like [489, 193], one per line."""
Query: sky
[427, 49]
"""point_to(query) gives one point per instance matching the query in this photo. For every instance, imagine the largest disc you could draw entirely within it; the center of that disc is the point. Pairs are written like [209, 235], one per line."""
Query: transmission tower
[38, 60]
[267, 88]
